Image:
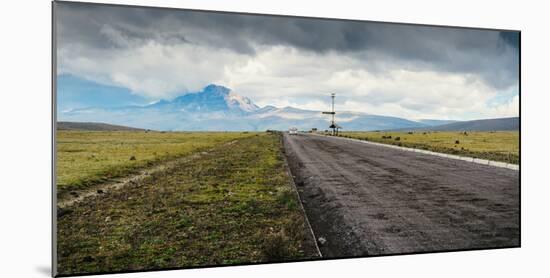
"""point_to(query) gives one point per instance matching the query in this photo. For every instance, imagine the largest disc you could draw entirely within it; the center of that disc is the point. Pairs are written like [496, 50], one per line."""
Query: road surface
[368, 200]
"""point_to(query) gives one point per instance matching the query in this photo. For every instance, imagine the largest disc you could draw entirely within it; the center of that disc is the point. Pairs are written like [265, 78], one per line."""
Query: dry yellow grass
[499, 146]
[88, 157]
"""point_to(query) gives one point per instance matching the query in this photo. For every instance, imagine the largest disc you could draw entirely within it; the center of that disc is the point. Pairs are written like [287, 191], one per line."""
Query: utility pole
[333, 125]
[333, 113]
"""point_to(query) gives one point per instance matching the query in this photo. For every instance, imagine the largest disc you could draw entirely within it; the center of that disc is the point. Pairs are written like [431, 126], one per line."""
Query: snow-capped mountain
[213, 98]
[219, 108]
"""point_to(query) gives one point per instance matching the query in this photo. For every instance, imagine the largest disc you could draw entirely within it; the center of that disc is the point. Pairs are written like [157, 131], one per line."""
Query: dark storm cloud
[510, 38]
[493, 55]
[85, 24]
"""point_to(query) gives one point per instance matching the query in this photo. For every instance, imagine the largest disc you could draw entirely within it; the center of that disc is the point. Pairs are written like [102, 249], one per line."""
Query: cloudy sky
[386, 69]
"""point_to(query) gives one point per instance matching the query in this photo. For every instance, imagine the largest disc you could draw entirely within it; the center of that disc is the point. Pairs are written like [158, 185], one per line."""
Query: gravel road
[366, 200]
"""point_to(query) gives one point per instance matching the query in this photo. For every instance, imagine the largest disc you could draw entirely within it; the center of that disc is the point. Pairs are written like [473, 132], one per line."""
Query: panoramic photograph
[187, 138]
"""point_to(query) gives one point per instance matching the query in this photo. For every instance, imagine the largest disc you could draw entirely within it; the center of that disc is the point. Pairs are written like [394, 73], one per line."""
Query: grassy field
[89, 157]
[232, 205]
[499, 146]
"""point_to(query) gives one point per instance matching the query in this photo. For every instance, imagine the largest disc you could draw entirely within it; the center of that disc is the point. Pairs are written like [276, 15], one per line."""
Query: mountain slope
[501, 124]
[92, 126]
[212, 99]
[432, 122]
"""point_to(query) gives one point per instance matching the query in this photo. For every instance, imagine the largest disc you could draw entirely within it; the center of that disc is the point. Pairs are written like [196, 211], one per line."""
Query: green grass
[233, 205]
[89, 157]
[499, 146]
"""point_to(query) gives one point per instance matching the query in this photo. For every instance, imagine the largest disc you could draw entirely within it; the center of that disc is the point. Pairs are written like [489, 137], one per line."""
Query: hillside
[92, 126]
[500, 124]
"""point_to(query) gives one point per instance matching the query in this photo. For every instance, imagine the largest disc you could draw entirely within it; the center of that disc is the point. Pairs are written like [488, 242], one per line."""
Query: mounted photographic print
[188, 138]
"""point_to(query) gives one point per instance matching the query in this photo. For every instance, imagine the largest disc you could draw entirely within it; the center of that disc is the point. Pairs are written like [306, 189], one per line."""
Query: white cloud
[152, 70]
[285, 76]
[509, 109]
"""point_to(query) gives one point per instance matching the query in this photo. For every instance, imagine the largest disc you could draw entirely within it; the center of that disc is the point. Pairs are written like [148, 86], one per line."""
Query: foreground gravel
[365, 200]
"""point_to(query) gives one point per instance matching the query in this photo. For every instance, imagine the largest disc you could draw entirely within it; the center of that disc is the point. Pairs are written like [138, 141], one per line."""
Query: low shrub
[276, 246]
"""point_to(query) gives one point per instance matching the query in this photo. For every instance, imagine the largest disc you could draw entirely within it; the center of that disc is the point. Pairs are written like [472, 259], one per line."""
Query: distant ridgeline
[94, 126]
[217, 108]
[501, 124]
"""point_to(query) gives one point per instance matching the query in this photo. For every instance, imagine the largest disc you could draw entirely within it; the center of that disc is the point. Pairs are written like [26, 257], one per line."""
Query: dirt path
[370, 200]
[70, 198]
